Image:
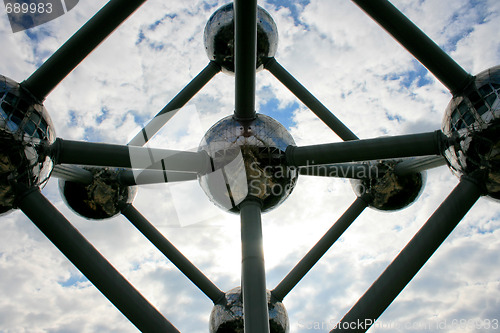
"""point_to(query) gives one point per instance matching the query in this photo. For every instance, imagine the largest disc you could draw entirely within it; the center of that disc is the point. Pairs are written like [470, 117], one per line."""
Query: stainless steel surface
[248, 159]
[219, 37]
[25, 125]
[472, 123]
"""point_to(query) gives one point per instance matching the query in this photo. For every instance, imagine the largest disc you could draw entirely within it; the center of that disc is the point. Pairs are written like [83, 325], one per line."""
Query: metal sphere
[388, 191]
[24, 126]
[248, 160]
[228, 317]
[219, 37]
[103, 198]
[472, 124]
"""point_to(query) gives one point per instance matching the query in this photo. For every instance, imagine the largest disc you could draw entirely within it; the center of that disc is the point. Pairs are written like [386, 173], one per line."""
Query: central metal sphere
[472, 124]
[248, 160]
[219, 37]
[25, 126]
[228, 317]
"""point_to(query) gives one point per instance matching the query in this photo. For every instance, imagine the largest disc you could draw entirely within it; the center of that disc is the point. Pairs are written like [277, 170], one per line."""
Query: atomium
[472, 123]
[248, 160]
[24, 127]
[389, 191]
[219, 37]
[254, 166]
[103, 198]
[228, 316]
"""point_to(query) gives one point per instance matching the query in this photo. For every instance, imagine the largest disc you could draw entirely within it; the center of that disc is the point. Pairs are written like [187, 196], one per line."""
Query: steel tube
[91, 263]
[80, 45]
[446, 70]
[253, 275]
[245, 58]
[346, 170]
[72, 173]
[121, 156]
[144, 177]
[173, 254]
[411, 259]
[309, 100]
[315, 254]
[419, 164]
[191, 89]
[364, 150]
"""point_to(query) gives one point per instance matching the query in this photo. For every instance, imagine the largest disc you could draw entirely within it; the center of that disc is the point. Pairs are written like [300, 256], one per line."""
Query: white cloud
[371, 83]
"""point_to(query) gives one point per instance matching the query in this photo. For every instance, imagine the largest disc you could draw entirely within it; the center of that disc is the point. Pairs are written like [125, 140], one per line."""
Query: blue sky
[353, 67]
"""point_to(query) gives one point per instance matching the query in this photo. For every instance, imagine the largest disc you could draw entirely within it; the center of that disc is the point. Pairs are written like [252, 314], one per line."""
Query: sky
[350, 64]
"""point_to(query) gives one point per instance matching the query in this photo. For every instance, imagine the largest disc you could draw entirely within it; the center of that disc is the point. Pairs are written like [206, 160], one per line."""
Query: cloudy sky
[371, 83]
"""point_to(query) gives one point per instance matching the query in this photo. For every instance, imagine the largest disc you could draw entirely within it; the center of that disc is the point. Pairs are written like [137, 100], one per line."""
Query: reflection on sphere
[472, 123]
[219, 37]
[24, 126]
[248, 160]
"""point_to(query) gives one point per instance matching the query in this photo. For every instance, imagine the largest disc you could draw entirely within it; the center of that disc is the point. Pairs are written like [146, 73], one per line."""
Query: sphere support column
[253, 275]
[91, 263]
[245, 58]
[411, 259]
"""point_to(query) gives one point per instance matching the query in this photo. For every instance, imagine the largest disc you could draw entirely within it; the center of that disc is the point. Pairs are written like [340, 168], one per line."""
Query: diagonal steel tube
[122, 156]
[191, 89]
[91, 263]
[315, 254]
[173, 254]
[80, 45]
[245, 58]
[411, 259]
[370, 149]
[253, 275]
[446, 70]
[309, 100]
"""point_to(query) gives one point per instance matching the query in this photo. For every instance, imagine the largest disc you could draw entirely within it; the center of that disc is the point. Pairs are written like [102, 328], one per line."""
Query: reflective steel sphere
[104, 198]
[387, 191]
[248, 160]
[472, 123]
[24, 126]
[219, 37]
[228, 318]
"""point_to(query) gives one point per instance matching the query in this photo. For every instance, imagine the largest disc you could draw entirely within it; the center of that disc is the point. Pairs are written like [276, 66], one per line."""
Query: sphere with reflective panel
[387, 191]
[472, 123]
[25, 126]
[219, 37]
[104, 198]
[228, 318]
[248, 159]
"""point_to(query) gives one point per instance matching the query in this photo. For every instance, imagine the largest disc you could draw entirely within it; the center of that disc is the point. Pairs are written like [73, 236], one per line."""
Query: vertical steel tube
[174, 255]
[175, 104]
[245, 57]
[309, 100]
[446, 70]
[313, 256]
[91, 263]
[253, 275]
[411, 259]
[80, 45]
